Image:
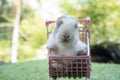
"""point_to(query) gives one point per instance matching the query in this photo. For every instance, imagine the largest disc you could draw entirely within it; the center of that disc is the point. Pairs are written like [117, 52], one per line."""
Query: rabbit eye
[75, 25]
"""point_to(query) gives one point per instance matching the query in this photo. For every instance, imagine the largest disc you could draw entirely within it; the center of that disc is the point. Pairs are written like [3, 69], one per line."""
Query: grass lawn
[38, 70]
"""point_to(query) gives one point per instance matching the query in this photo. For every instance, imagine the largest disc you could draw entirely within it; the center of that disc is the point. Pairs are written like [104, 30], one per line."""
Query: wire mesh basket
[72, 66]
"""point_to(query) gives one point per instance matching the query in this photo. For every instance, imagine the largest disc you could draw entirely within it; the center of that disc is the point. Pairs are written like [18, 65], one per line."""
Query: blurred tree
[32, 30]
[104, 15]
[17, 13]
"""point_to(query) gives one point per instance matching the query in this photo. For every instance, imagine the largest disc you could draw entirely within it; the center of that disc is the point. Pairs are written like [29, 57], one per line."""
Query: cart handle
[86, 20]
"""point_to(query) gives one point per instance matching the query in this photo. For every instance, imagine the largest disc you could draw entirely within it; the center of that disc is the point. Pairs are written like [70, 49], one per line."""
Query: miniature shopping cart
[74, 66]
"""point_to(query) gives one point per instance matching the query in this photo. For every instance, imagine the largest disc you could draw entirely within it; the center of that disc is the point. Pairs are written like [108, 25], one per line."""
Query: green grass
[38, 70]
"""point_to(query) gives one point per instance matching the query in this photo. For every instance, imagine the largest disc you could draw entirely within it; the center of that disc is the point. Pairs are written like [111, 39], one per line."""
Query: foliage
[104, 15]
[4, 50]
[5, 8]
[32, 32]
[38, 70]
[104, 18]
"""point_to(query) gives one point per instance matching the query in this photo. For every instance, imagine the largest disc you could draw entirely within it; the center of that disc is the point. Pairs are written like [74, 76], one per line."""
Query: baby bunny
[64, 39]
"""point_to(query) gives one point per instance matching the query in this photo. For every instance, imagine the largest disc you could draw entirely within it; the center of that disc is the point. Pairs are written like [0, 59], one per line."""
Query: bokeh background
[23, 36]
[105, 23]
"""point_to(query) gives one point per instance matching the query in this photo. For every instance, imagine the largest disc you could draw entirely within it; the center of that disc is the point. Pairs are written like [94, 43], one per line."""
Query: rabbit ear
[59, 22]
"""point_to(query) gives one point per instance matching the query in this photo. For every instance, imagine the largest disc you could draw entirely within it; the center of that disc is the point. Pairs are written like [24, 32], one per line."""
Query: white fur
[71, 48]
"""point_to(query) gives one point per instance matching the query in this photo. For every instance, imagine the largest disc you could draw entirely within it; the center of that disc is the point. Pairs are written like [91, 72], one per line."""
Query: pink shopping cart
[76, 66]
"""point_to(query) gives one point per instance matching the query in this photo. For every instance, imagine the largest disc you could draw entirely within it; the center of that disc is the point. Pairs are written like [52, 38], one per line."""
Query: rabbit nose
[66, 36]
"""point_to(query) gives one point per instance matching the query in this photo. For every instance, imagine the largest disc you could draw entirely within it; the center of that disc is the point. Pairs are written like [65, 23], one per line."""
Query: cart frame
[75, 66]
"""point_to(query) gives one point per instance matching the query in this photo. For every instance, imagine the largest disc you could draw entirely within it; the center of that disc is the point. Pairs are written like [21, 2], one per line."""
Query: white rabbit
[64, 39]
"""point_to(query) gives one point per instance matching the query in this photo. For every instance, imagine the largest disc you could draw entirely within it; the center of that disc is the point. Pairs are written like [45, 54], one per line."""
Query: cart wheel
[87, 78]
[53, 78]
